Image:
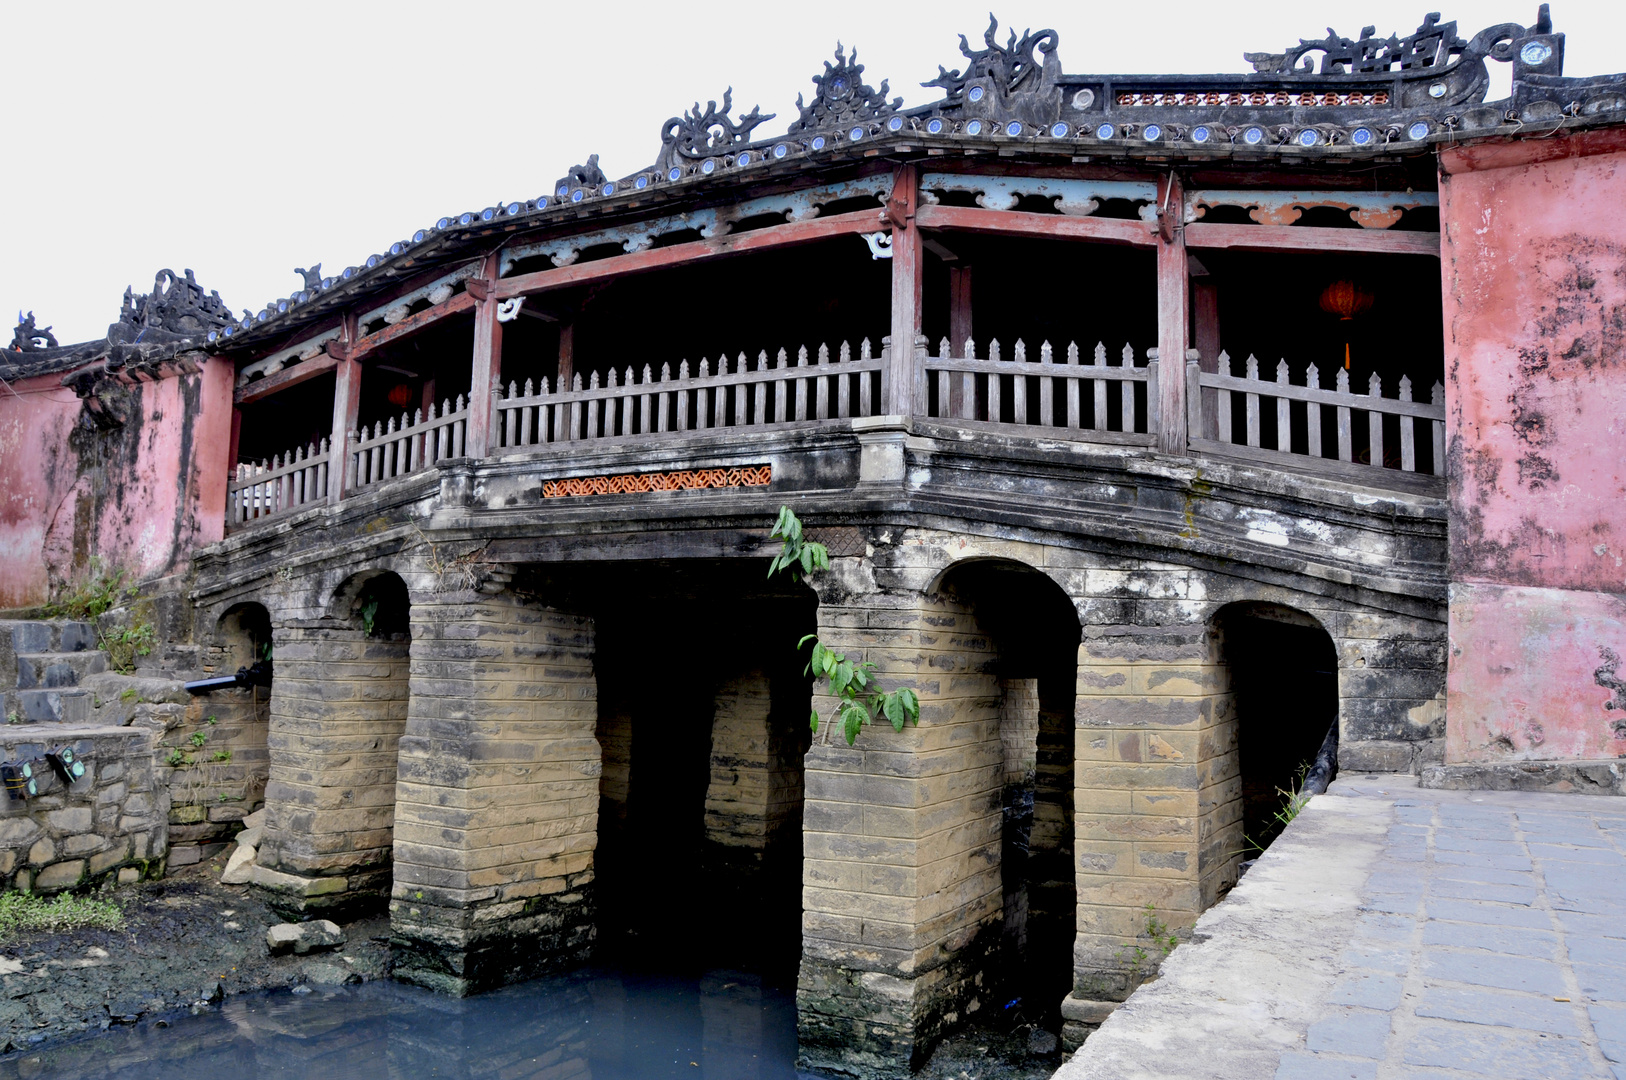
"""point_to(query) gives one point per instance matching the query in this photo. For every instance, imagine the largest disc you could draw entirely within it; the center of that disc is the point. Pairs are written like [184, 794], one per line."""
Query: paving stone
[1601, 982]
[1489, 914]
[1298, 1065]
[1483, 1007]
[1481, 890]
[1493, 1054]
[1355, 1033]
[1560, 853]
[1390, 930]
[1488, 969]
[1450, 840]
[1393, 961]
[1610, 1024]
[1516, 941]
[1457, 872]
[1587, 925]
[1368, 991]
[1511, 861]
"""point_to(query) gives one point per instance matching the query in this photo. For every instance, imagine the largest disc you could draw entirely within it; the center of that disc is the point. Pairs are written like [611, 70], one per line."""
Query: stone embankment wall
[111, 821]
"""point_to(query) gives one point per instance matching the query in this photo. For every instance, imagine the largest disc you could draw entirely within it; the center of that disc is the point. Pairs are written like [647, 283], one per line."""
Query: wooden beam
[346, 410]
[774, 236]
[567, 357]
[899, 392]
[282, 380]
[487, 370]
[1306, 238]
[1020, 223]
[1173, 316]
[412, 324]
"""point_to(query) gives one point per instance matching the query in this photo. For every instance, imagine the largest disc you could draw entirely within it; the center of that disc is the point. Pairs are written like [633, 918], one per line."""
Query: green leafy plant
[858, 701]
[22, 913]
[127, 695]
[369, 615]
[90, 597]
[126, 643]
[177, 758]
[1294, 799]
[1155, 939]
[198, 738]
[14, 717]
[222, 755]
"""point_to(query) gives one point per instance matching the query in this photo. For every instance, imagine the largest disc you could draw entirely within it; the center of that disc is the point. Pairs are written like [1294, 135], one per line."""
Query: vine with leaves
[858, 700]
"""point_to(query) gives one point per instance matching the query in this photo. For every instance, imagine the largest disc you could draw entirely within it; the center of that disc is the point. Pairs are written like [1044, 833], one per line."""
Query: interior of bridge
[1284, 672]
[703, 724]
[1034, 630]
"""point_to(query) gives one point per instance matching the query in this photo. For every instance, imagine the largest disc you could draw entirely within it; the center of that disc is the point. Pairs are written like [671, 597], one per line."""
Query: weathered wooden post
[1173, 302]
[905, 374]
[484, 379]
[346, 407]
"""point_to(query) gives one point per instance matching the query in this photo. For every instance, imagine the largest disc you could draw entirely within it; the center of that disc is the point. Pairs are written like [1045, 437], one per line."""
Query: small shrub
[222, 755]
[92, 596]
[22, 913]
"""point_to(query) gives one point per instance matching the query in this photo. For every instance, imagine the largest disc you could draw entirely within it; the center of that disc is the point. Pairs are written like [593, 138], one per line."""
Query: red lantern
[1346, 300]
[400, 395]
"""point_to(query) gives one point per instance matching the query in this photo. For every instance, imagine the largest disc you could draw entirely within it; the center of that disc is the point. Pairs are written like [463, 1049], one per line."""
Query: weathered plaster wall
[142, 494]
[1535, 303]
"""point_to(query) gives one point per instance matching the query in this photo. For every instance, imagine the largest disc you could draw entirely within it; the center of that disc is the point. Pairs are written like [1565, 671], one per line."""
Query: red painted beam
[1019, 223]
[774, 236]
[412, 324]
[1305, 238]
[288, 376]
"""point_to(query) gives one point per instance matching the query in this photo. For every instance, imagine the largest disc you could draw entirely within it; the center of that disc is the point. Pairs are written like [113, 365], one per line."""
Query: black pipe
[1326, 764]
[257, 674]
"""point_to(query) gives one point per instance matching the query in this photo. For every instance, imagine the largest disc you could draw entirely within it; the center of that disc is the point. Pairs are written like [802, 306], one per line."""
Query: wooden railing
[279, 486]
[1225, 413]
[737, 394]
[388, 450]
[1073, 397]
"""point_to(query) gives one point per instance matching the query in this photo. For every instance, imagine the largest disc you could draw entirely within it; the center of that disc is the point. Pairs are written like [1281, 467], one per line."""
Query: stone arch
[1281, 664]
[336, 722]
[242, 636]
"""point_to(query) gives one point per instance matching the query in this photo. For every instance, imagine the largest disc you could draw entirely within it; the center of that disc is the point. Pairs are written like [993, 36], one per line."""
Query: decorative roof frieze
[842, 97]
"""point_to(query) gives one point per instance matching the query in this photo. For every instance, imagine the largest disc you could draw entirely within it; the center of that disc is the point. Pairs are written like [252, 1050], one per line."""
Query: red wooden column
[960, 327]
[346, 408]
[1173, 315]
[904, 371]
[1205, 316]
[487, 373]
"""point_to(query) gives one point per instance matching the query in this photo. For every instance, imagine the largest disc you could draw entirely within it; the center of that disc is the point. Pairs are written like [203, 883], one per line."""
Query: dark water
[590, 1024]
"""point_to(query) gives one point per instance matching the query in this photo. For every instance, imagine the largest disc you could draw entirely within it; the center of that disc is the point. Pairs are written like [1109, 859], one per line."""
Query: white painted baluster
[781, 390]
[1374, 423]
[683, 396]
[996, 411]
[1222, 404]
[968, 384]
[759, 390]
[629, 403]
[821, 387]
[1047, 386]
[865, 390]
[662, 401]
[645, 402]
[1072, 382]
[1098, 386]
[844, 382]
[460, 429]
[1126, 396]
[1408, 431]
[1437, 429]
[1346, 447]
[1284, 413]
[801, 384]
[1312, 412]
[1251, 399]
[1019, 383]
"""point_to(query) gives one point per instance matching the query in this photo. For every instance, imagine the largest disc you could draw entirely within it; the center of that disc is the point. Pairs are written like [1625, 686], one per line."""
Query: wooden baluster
[629, 402]
[352, 460]
[683, 397]
[1126, 397]
[1047, 386]
[940, 381]
[759, 391]
[1346, 447]
[662, 400]
[719, 395]
[1437, 429]
[1073, 384]
[645, 403]
[321, 469]
[968, 383]
[781, 391]
[508, 428]
[865, 381]
[1019, 383]
[1312, 412]
[1222, 403]
[414, 444]
[460, 429]
[702, 397]
[1284, 413]
[394, 455]
[1098, 387]
[1374, 423]
[1251, 398]
[801, 384]
[996, 412]
[1408, 431]
[844, 382]
[821, 385]
[517, 427]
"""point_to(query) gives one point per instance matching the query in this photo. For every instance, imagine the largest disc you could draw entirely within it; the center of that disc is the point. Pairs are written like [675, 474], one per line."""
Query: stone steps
[43, 666]
[54, 670]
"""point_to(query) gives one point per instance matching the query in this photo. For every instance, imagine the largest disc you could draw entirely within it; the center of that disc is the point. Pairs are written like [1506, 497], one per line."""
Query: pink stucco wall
[142, 494]
[1534, 246]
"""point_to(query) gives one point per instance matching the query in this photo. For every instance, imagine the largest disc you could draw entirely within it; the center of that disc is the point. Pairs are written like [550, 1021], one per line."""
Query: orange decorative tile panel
[634, 483]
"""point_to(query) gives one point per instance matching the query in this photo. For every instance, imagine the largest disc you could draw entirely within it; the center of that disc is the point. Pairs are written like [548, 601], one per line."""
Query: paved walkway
[1397, 933]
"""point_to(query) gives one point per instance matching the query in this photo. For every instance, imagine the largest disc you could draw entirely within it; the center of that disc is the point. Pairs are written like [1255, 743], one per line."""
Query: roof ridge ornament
[700, 134]
[1432, 45]
[842, 96]
[30, 337]
[1012, 67]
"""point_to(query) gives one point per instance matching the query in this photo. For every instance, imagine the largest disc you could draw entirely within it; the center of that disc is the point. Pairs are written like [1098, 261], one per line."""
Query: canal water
[589, 1024]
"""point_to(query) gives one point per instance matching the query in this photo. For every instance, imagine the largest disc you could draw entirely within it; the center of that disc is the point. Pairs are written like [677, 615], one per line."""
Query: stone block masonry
[497, 814]
[337, 712]
[901, 897]
[111, 822]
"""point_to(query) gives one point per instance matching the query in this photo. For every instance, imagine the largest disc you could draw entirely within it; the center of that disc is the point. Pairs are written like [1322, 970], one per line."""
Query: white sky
[242, 140]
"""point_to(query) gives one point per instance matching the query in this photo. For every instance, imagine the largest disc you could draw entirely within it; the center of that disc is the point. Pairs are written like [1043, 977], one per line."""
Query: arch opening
[1284, 674]
[1034, 632]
